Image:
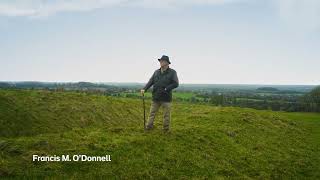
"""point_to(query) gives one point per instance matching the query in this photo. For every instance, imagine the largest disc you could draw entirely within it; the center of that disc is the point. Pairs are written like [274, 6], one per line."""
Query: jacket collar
[165, 70]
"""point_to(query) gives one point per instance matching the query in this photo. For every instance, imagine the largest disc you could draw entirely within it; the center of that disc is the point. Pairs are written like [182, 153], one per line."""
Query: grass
[205, 142]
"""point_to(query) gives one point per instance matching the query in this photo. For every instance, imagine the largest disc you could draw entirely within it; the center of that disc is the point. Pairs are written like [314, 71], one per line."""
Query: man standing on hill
[164, 80]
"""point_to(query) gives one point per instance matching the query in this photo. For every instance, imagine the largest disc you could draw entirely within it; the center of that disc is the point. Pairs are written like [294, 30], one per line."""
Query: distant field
[248, 99]
[206, 141]
[182, 95]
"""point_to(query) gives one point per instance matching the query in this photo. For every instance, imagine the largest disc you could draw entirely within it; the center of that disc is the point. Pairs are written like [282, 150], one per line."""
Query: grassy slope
[206, 141]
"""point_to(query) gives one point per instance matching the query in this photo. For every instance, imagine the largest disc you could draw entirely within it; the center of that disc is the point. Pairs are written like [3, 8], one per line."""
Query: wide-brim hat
[165, 58]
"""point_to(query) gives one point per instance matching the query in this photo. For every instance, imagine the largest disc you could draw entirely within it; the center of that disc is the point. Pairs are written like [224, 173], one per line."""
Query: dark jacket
[163, 84]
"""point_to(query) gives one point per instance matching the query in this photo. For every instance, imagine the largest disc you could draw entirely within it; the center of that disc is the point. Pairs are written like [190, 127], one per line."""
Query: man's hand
[142, 91]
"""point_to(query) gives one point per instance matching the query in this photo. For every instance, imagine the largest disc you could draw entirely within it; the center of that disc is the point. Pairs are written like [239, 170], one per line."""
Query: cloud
[302, 15]
[36, 8]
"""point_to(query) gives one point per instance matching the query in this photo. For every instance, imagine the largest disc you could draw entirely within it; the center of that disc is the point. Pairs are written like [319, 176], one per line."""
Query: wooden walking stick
[144, 112]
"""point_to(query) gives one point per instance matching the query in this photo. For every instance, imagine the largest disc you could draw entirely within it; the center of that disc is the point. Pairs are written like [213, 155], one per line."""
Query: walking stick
[144, 113]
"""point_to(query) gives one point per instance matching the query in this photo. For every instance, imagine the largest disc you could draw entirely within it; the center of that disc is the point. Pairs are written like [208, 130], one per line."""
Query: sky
[208, 41]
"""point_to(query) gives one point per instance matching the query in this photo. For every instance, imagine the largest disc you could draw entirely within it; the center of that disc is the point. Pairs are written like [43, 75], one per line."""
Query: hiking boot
[166, 131]
[149, 128]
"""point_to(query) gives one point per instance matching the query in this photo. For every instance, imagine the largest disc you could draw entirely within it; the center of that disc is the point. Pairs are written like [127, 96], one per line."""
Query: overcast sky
[208, 41]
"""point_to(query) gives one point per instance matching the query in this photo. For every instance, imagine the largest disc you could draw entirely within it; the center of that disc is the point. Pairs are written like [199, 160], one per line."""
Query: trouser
[155, 105]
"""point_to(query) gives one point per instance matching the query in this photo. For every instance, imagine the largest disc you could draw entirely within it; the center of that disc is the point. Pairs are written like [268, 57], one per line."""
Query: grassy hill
[205, 142]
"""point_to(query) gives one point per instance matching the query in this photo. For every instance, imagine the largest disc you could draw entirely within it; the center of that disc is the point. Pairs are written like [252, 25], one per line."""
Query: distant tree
[315, 94]
[193, 99]
[311, 101]
[267, 89]
[4, 85]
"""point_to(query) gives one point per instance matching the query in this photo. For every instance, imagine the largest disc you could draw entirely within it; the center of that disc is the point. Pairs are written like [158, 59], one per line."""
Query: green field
[205, 141]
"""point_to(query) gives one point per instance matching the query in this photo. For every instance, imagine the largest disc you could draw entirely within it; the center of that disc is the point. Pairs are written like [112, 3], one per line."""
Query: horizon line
[123, 82]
